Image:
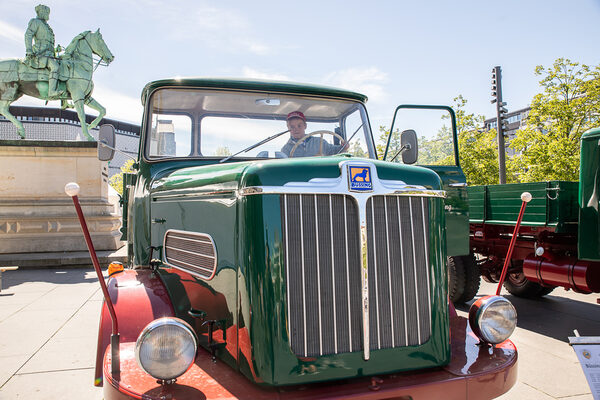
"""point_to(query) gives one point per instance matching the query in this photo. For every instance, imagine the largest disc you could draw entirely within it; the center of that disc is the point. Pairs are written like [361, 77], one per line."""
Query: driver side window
[354, 133]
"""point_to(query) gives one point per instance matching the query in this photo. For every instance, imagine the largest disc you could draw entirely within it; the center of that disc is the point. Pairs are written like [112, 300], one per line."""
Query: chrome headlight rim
[151, 328]
[478, 311]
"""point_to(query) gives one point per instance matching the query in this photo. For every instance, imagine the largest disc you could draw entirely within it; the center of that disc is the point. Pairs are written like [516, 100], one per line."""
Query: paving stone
[74, 384]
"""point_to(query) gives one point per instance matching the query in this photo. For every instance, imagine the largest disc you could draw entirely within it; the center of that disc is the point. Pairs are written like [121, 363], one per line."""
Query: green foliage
[478, 149]
[548, 147]
[438, 150]
[357, 151]
[382, 142]
[479, 156]
[116, 181]
[222, 151]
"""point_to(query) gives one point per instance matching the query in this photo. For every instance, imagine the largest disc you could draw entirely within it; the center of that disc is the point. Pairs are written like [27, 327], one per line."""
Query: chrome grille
[322, 249]
[321, 235]
[191, 251]
[398, 271]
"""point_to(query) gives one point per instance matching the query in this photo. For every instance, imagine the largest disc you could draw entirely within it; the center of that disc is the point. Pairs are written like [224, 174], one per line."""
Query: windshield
[221, 124]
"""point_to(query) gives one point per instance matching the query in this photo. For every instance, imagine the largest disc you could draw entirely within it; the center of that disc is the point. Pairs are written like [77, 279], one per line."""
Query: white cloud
[9, 32]
[225, 29]
[248, 72]
[118, 106]
[369, 81]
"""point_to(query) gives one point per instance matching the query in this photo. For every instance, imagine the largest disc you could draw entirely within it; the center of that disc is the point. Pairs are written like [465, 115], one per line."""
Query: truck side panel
[589, 226]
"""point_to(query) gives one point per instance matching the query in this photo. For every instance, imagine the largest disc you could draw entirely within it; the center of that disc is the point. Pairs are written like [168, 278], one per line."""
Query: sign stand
[587, 349]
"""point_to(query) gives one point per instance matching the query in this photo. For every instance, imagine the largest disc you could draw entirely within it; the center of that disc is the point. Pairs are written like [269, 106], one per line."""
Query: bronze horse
[76, 69]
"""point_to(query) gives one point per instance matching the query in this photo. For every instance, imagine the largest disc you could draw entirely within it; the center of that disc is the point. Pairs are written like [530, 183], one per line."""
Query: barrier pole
[525, 198]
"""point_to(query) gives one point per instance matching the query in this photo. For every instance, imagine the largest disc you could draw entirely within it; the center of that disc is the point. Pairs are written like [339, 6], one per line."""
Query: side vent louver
[192, 252]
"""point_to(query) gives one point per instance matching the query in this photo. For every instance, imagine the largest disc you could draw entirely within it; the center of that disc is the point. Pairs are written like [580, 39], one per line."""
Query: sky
[395, 52]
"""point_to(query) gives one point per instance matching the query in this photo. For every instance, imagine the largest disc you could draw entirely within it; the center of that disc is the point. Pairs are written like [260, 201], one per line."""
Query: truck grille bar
[398, 239]
[323, 272]
[191, 251]
[322, 248]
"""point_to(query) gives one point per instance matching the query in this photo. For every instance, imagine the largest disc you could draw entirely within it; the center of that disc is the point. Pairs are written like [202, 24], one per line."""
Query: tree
[548, 147]
[116, 181]
[222, 151]
[478, 149]
[357, 151]
[382, 143]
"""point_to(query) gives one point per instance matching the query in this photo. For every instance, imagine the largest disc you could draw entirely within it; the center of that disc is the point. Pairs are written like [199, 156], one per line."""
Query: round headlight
[166, 348]
[493, 319]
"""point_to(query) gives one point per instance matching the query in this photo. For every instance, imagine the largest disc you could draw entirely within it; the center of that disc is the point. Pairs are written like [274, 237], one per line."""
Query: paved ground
[48, 331]
[548, 366]
[49, 323]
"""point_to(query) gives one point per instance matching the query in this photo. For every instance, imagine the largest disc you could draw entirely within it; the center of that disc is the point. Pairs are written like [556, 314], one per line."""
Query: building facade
[46, 123]
[516, 120]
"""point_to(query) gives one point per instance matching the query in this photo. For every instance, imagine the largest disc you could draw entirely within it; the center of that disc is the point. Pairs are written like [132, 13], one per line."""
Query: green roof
[254, 85]
[591, 134]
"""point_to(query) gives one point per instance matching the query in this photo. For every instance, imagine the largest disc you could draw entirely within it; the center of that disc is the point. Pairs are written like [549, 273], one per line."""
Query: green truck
[559, 240]
[269, 262]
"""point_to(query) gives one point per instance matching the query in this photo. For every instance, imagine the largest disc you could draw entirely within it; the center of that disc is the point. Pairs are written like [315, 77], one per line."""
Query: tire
[472, 278]
[518, 285]
[456, 279]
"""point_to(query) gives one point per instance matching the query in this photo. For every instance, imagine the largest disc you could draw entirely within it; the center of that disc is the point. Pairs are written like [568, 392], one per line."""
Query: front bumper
[474, 372]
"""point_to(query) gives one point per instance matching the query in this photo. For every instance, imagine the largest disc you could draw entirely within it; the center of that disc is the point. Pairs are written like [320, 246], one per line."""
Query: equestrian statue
[49, 75]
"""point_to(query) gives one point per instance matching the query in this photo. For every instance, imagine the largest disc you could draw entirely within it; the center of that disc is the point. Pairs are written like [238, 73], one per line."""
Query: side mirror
[106, 143]
[408, 140]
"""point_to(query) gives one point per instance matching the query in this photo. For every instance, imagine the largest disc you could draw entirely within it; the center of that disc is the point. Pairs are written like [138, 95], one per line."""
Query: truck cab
[273, 250]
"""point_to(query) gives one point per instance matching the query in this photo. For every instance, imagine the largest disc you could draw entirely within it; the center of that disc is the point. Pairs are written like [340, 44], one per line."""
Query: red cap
[296, 114]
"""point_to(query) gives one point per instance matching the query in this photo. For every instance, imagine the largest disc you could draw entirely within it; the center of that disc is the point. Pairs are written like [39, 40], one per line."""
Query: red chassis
[475, 372]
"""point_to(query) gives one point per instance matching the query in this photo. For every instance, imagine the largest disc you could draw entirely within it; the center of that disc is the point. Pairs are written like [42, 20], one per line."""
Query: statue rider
[39, 47]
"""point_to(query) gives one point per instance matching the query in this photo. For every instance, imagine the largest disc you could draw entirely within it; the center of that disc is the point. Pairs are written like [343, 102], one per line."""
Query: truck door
[437, 150]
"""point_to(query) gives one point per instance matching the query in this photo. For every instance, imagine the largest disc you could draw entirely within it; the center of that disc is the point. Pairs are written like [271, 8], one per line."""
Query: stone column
[36, 216]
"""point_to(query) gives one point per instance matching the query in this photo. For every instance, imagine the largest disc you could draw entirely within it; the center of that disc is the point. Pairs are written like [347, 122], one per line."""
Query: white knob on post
[72, 189]
[526, 197]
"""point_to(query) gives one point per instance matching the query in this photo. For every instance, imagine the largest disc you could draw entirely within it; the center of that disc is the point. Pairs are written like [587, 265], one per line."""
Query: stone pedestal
[36, 216]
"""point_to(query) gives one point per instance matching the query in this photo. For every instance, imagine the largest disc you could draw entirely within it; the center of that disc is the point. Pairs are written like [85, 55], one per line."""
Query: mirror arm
[103, 143]
[402, 150]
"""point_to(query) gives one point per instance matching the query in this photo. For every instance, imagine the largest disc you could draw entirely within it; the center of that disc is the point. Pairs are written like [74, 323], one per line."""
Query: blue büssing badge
[359, 178]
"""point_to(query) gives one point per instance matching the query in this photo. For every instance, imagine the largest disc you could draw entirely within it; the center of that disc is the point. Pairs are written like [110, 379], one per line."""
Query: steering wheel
[321, 132]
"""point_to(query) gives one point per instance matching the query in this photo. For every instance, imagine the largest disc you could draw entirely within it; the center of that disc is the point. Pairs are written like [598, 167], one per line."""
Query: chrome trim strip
[347, 273]
[157, 196]
[372, 200]
[287, 264]
[403, 272]
[426, 241]
[364, 266]
[412, 234]
[318, 277]
[303, 280]
[333, 277]
[387, 237]
[458, 184]
[254, 190]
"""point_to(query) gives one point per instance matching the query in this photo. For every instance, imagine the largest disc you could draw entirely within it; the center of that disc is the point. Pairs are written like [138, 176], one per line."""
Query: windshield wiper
[351, 137]
[255, 145]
